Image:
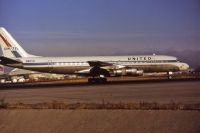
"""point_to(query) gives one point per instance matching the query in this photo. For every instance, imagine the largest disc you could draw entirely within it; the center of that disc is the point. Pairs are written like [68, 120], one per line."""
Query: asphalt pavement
[131, 92]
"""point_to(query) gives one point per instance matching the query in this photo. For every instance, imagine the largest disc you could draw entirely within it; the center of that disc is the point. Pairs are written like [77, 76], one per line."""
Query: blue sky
[102, 27]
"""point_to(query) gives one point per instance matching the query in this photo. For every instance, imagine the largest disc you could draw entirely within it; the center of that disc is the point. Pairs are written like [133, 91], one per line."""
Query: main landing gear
[98, 75]
[98, 80]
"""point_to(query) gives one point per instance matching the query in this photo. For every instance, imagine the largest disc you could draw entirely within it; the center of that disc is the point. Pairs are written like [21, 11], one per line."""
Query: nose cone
[184, 67]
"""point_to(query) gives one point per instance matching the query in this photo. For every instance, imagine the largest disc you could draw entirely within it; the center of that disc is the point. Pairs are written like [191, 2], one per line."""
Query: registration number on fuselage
[30, 61]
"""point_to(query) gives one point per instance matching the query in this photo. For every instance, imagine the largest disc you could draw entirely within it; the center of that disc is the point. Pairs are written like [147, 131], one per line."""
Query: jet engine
[124, 72]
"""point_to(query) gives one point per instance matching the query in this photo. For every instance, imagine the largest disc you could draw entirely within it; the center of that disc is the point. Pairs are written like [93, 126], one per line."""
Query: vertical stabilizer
[10, 47]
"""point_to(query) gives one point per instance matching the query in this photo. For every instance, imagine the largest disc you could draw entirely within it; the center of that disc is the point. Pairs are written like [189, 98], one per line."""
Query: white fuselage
[71, 65]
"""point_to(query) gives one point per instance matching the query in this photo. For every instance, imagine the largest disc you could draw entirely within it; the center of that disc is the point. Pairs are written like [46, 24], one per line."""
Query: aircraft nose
[184, 66]
[187, 66]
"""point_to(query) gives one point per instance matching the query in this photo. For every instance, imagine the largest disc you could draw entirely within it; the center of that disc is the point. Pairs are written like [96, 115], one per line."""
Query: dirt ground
[99, 121]
[103, 120]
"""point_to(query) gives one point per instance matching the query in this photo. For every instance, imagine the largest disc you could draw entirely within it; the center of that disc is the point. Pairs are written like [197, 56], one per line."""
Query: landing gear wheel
[103, 80]
[91, 80]
[97, 80]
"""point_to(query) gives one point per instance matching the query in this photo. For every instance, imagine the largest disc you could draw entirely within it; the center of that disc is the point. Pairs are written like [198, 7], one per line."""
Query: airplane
[96, 68]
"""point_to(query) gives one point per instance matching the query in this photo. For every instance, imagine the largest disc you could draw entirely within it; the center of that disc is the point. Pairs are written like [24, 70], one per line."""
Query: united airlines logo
[139, 58]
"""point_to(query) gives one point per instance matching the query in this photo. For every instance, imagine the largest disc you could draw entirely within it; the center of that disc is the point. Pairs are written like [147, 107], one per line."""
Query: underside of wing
[99, 68]
[7, 61]
[105, 65]
[99, 63]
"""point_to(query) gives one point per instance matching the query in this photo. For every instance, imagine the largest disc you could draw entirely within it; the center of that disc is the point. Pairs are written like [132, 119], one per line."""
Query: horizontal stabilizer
[5, 60]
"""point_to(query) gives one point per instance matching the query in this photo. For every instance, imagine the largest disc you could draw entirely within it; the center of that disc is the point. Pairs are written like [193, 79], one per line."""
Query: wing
[5, 60]
[99, 63]
[104, 65]
[99, 68]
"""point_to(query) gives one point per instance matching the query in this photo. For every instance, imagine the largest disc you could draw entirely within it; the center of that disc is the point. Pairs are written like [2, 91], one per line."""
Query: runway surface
[161, 92]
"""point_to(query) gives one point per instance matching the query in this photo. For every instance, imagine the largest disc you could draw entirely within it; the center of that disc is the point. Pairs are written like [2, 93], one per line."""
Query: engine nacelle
[123, 72]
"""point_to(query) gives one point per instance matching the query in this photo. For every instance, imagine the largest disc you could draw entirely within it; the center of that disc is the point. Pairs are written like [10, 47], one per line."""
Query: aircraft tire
[97, 80]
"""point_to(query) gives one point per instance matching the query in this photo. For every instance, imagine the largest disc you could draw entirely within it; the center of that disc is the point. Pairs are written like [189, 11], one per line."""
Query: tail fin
[10, 47]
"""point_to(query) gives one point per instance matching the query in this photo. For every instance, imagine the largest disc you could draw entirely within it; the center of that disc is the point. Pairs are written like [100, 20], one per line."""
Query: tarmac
[126, 92]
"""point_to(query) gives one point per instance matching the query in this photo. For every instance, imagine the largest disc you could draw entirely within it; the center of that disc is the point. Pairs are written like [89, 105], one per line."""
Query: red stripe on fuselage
[5, 41]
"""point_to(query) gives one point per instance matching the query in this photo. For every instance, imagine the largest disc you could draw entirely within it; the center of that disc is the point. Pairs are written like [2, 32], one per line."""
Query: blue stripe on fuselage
[114, 62]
